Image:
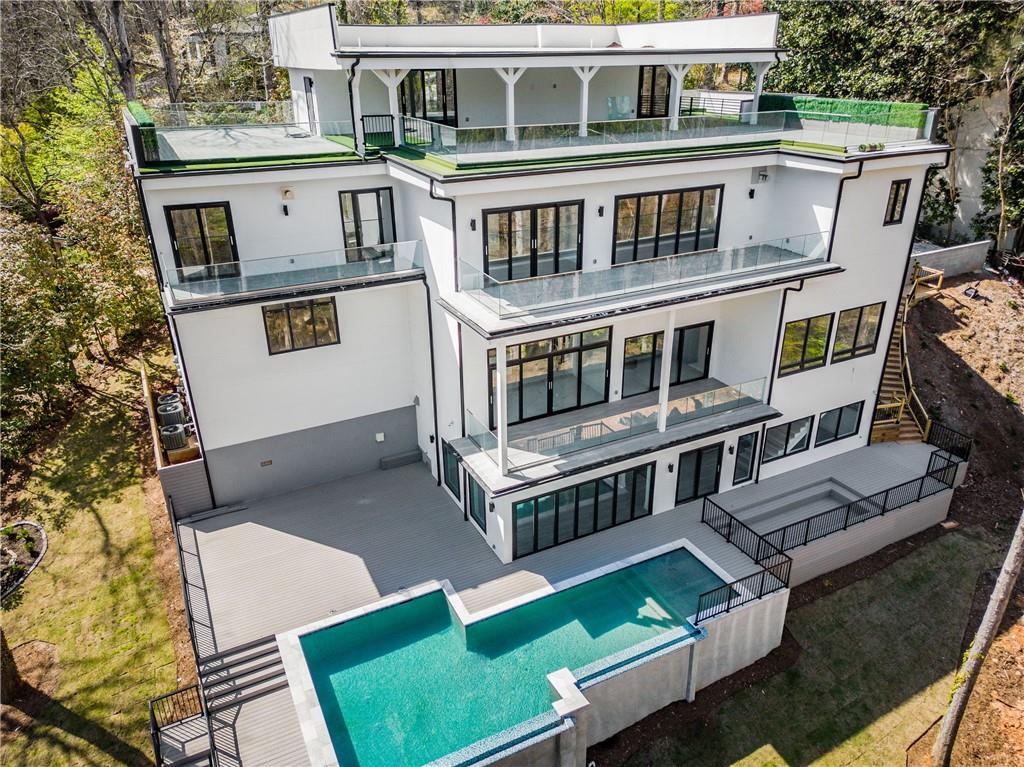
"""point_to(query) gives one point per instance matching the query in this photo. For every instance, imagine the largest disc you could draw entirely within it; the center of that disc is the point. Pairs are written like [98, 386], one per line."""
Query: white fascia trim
[278, 176]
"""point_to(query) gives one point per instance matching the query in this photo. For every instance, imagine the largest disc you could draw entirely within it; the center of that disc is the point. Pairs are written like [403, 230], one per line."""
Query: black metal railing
[379, 130]
[753, 544]
[940, 475]
[950, 440]
[164, 710]
[421, 134]
[689, 105]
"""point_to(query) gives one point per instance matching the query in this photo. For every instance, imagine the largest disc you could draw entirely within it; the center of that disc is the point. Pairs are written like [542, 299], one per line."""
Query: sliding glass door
[430, 95]
[691, 358]
[533, 241]
[553, 375]
[203, 240]
[367, 217]
[699, 471]
[654, 88]
[666, 223]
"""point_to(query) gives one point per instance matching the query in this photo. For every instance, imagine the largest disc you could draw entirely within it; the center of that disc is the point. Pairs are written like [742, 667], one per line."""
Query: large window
[838, 424]
[857, 332]
[203, 240]
[367, 217]
[653, 92]
[533, 241]
[699, 471]
[477, 502]
[666, 223]
[746, 447]
[896, 205]
[553, 375]
[691, 358]
[787, 439]
[805, 344]
[450, 468]
[300, 325]
[429, 94]
[573, 512]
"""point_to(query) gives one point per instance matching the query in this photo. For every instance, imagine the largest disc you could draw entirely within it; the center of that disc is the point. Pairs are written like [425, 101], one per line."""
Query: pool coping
[310, 715]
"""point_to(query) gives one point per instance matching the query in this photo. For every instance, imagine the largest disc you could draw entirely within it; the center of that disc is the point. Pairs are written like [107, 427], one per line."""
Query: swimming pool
[409, 683]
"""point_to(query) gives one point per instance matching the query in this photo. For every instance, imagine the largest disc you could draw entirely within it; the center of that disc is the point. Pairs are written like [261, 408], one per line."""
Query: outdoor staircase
[241, 674]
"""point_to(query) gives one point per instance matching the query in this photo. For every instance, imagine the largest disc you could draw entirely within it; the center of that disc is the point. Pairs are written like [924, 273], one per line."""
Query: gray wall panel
[186, 485]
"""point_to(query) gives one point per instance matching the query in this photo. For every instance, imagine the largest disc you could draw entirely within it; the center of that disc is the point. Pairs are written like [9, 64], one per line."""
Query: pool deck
[283, 562]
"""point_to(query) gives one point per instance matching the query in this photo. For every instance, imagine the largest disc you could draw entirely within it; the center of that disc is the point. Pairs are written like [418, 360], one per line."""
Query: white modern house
[488, 317]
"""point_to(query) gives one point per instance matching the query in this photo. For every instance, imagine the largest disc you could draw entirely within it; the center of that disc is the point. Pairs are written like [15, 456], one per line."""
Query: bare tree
[158, 21]
[108, 20]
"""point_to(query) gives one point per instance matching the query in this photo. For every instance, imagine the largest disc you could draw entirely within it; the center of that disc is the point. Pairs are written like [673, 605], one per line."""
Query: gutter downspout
[835, 212]
[352, 103]
[433, 380]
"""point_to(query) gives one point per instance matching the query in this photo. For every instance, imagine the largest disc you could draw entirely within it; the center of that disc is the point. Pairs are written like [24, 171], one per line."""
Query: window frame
[803, 366]
[894, 200]
[492, 370]
[448, 451]
[475, 490]
[720, 448]
[358, 220]
[415, 78]
[651, 113]
[657, 222]
[857, 351]
[736, 479]
[676, 350]
[837, 437]
[533, 209]
[197, 206]
[595, 483]
[789, 430]
[311, 302]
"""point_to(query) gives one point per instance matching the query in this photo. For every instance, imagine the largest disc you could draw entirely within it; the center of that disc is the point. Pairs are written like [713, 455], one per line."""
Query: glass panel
[642, 492]
[562, 343]
[432, 94]
[686, 483]
[744, 468]
[799, 432]
[624, 497]
[658, 349]
[667, 229]
[709, 220]
[565, 381]
[890, 205]
[451, 469]
[545, 521]
[325, 322]
[869, 326]
[546, 241]
[848, 418]
[595, 367]
[348, 217]
[520, 244]
[301, 318]
[710, 460]
[523, 513]
[693, 353]
[817, 341]
[625, 229]
[568, 237]
[497, 246]
[845, 331]
[605, 501]
[793, 345]
[585, 513]
[637, 365]
[828, 424]
[279, 338]
[688, 222]
[449, 89]
[218, 236]
[388, 215]
[774, 442]
[566, 514]
[369, 221]
[185, 224]
[512, 389]
[648, 219]
[595, 336]
[536, 348]
[535, 388]
[477, 504]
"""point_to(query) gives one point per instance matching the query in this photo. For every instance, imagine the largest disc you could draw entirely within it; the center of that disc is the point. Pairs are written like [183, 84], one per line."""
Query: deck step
[221, 705]
[238, 650]
[198, 759]
[226, 664]
[213, 696]
[232, 673]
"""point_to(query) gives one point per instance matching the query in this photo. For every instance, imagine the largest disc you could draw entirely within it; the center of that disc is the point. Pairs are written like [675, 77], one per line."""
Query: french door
[533, 241]
[654, 88]
[699, 471]
[367, 217]
[202, 240]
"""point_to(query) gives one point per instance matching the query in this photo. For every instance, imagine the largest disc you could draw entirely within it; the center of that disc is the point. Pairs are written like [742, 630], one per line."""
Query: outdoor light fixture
[671, 468]
[732, 449]
[472, 224]
[751, 193]
[600, 211]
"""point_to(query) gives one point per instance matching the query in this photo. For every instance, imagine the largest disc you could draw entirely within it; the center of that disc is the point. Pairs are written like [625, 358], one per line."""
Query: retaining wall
[959, 259]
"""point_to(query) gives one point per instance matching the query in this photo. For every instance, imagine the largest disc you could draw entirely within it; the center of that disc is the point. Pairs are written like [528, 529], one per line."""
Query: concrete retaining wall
[959, 259]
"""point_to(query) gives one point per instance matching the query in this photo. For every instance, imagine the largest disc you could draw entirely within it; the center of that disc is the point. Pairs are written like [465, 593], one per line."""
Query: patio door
[307, 85]
[202, 240]
[533, 241]
[699, 471]
[654, 92]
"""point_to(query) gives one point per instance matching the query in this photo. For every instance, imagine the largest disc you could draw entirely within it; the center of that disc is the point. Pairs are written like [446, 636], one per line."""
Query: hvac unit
[168, 399]
[174, 436]
[170, 414]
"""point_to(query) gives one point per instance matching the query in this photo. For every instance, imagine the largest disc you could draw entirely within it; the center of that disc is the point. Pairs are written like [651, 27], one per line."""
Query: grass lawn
[875, 670]
[95, 596]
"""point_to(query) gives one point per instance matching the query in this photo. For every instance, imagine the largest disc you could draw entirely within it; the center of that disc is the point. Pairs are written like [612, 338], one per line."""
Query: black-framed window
[534, 240]
[574, 512]
[553, 375]
[653, 92]
[805, 344]
[450, 469]
[857, 332]
[203, 239]
[746, 449]
[300, 325]
[477, 502]
[666, 223]
[691, 358]
[367, 217]
[840, 423]
[787, 439]
[430, 94]
[896, 205]
[698, 472]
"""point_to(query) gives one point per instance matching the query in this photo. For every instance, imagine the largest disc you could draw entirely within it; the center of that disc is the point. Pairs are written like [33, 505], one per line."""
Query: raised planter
[22, 546]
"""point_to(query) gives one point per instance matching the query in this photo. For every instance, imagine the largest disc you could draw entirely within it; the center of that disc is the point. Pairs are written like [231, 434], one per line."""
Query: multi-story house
[529, 378]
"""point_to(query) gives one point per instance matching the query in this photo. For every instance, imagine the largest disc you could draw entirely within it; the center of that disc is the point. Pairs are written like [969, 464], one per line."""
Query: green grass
[95, 596]
[875, 670]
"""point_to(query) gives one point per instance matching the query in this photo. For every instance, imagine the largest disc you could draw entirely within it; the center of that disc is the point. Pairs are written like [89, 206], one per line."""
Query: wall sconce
[490, 507]
[287, 193]
[671, 468]
[732, 449]
[750, 194]
[472, 224]
[600, 211]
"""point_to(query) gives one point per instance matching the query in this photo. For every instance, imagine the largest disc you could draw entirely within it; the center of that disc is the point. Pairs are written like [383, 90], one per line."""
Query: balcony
[835, 133]
[518, 298]
[199, 284]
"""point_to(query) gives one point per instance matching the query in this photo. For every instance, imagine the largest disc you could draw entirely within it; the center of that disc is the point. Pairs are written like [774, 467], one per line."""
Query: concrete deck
[242, 142]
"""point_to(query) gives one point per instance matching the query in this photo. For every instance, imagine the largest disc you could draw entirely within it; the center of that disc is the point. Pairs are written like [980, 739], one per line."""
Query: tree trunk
[10, 680]
[661, 10]
[115, 42]
[967, 676]
[161, 34]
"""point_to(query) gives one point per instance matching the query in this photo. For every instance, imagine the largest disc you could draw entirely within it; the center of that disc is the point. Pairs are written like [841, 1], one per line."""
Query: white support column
[678, 72]
[666, 368]
[392, 78]
[510, 75]
[760, 70]
[586, 74]
[357, 112]
[501, 406]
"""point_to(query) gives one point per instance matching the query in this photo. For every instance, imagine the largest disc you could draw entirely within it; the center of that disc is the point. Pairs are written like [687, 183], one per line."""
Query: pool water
[407, 684]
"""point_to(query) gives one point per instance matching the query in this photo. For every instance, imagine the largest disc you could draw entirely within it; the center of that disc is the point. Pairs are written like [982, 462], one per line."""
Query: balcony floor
[250, 142]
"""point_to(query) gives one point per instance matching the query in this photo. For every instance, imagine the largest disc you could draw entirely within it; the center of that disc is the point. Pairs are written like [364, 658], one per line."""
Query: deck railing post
[885, 502]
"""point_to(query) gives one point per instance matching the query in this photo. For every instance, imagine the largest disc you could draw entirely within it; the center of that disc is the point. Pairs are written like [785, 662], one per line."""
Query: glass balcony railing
[515, 298]
[612, 422]
[497, 143]
[202, 283]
